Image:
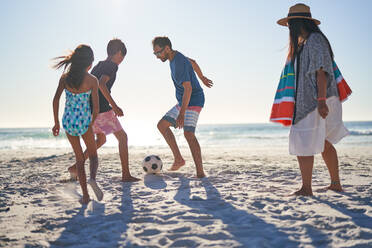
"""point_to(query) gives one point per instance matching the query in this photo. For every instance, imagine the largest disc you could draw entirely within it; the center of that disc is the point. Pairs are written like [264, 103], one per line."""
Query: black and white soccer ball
[152, 164]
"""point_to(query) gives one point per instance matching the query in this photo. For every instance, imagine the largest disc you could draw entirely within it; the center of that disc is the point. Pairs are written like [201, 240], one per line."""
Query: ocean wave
[360, 132]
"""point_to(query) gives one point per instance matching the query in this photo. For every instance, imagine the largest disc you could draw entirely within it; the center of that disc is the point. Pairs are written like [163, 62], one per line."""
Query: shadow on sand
[247, 229]
[91, 227]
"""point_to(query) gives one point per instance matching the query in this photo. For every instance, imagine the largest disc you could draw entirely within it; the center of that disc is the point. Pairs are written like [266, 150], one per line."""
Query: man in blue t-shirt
[190, 97]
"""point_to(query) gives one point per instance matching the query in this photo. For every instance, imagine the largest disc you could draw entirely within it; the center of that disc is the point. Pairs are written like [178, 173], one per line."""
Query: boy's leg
[75, 143]
[122, 138]
[163, 126]
[196, 153]
[330, 158]
[306, 167]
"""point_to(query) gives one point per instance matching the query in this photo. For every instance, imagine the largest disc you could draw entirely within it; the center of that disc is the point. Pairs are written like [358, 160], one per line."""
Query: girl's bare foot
[97, 191]
[73, 172]
[129, 179]
[177, 165]
[84, 200]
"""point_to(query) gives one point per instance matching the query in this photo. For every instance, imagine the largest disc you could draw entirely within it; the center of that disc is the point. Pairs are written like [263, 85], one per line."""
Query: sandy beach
[243, 202]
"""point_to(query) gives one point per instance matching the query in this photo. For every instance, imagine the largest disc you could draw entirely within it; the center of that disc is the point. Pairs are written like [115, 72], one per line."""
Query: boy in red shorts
[107, 121]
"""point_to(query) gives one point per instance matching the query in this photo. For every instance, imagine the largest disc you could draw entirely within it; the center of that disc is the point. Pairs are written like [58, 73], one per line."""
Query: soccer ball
[152, 164]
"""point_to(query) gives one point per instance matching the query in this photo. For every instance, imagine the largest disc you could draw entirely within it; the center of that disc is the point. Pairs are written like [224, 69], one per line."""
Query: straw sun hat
[299, 10]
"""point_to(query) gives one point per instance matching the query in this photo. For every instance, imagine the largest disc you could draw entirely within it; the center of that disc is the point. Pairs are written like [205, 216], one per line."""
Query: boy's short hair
[161, 41]
[114, 46]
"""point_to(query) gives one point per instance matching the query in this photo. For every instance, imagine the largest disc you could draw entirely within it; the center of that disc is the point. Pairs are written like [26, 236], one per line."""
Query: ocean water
[221, 135]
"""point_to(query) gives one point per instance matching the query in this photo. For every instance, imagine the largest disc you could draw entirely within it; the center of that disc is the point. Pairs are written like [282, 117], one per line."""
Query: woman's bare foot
[129, 179]
[177, 165]
[84, 200]
[304, 192]
[73, 172]
[200, 175]
[335, 187]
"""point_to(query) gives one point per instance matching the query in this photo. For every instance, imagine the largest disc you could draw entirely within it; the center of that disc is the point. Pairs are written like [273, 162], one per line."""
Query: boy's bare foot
[85, 200]
[130, 179]
[97, 191]
[73, 172]
[304, 192]
[177, 165]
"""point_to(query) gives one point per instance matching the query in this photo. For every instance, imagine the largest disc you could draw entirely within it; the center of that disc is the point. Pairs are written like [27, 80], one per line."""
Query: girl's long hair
[295, 28]
[76, 64]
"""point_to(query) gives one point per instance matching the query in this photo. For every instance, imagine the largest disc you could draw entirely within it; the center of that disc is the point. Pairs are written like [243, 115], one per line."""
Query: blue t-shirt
[182, 71]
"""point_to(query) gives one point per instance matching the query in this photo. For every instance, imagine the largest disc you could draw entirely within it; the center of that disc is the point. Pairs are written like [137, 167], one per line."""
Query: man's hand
[180, 120]
[207, 82]
[323, 109]
[56, 129]
[118, 111]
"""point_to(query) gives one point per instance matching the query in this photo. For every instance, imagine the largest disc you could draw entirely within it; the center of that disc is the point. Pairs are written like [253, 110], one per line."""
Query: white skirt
[307, 137]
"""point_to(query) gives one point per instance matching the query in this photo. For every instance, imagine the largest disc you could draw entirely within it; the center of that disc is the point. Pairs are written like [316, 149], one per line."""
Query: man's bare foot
[73, 172]
[130, 179]
[85, 200]
[304, 192]
[177, 165]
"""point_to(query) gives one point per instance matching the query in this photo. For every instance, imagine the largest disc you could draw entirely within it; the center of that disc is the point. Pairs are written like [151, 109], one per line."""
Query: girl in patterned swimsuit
[79, 85]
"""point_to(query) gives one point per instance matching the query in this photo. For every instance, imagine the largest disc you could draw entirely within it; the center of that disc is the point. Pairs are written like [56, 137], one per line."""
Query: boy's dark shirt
[109, 69]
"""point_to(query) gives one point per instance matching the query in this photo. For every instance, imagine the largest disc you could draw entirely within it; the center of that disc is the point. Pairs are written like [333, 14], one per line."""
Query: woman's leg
[306, 166]
[330, 158]
[75, 143]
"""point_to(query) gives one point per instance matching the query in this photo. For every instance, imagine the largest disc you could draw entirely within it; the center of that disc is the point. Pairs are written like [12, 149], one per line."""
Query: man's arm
[103, 87]
[185, 102]
[207, 82]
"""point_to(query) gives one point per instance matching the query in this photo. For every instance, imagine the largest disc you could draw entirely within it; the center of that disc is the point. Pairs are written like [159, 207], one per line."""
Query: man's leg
[164, 129]
[196, 153]
[122, 138]
[330, 158]
[306, 167]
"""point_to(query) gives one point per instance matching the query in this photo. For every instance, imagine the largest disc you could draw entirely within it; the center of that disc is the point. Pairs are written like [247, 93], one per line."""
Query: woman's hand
[323, 109]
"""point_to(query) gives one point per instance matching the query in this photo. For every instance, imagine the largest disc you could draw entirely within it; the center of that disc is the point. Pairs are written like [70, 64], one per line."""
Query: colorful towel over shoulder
[283, 107]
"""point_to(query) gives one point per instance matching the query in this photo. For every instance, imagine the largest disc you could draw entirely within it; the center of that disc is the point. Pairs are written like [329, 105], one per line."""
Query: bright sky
[236, 43]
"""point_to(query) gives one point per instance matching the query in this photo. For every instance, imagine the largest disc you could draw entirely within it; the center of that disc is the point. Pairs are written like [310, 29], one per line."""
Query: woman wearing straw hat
[317, 115]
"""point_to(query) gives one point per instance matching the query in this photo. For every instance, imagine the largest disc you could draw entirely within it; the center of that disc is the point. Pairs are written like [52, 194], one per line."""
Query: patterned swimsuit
[77, 116]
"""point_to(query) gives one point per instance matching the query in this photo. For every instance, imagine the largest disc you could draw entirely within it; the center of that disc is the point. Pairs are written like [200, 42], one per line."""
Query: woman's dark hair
[114, 46]
[162, 42]
[295, 27]
[77, 63]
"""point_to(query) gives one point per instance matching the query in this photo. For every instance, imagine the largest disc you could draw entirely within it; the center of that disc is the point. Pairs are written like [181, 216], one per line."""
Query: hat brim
[284, 21]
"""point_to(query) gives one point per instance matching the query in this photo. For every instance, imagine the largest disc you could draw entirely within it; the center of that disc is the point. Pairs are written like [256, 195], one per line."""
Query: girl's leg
[90, 143]
[100, 141]
[75, 143]
[306, 167]
[330, 158]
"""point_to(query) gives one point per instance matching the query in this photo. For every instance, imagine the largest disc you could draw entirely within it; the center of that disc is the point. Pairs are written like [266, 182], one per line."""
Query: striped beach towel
[283, 107]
